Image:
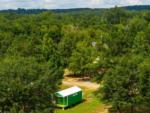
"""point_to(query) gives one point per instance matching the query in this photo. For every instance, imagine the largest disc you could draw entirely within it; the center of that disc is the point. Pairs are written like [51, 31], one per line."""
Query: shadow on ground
[67, 108]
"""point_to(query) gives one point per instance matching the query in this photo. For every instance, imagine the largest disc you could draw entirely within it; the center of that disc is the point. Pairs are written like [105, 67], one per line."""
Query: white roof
[69, 91]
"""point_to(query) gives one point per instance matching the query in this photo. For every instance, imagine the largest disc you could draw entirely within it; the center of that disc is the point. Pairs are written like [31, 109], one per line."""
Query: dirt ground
[76, 81]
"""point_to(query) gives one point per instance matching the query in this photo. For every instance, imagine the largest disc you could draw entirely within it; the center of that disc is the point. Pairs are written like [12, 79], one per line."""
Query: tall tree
[27, 85]
[121, 84]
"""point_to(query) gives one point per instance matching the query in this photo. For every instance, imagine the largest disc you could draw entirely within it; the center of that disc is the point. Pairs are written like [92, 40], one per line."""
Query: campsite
[89, 104]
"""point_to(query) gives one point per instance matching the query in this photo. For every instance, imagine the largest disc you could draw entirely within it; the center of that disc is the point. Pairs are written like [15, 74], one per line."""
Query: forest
[111, 46]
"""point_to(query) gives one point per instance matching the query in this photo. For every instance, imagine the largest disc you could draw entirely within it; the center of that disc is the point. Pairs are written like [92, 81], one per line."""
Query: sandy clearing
[78, 82]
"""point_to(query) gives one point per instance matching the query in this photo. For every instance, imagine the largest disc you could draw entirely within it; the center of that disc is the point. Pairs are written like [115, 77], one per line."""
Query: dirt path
[80, 82]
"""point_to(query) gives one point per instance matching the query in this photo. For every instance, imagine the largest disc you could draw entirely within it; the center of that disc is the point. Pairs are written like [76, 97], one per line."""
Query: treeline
[138, 7]
[75, 10]
[111, 46]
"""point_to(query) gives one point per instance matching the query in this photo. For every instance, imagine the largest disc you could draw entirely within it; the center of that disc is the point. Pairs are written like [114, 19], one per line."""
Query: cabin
[68, 97]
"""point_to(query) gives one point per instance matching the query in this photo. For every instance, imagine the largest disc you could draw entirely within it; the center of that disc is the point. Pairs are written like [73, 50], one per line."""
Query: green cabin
[68, 97]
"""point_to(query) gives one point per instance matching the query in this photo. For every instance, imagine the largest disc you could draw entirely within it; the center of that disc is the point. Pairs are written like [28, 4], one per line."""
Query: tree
[81, 61]
[144, 75]
[121, 84]
[71, 36]
[27, 85]
[141, 44]
[115, 15]
[86, 58]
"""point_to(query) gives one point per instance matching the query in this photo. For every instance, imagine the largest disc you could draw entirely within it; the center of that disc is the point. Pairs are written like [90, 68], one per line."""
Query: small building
[68, 97]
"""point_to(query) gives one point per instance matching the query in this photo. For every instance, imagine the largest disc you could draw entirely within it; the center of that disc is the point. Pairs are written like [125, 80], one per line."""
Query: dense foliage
[111, 46]
[30, 64]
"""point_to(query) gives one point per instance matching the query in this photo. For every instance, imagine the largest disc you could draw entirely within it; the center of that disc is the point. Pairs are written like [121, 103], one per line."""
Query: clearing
[91, 104]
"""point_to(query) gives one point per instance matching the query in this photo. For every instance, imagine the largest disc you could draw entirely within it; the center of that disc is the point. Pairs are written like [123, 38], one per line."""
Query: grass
[90, 105]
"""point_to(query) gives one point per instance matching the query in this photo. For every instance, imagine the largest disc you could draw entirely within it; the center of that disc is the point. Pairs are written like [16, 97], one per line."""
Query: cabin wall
[74, 98]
